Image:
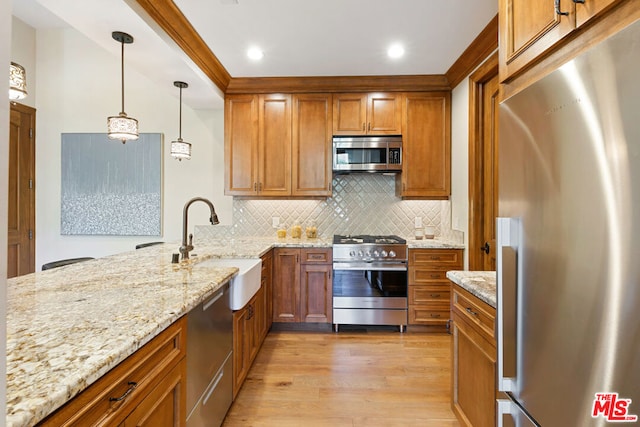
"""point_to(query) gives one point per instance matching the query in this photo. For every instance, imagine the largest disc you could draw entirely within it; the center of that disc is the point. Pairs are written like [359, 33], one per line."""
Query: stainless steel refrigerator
[569, 242]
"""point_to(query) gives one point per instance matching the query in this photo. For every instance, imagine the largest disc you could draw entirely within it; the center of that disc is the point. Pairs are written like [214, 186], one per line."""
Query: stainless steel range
[369, 281]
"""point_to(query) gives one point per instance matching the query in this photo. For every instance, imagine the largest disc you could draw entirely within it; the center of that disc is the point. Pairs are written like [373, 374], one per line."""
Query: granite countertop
[437, 243]
[68, 326]
[479, 283]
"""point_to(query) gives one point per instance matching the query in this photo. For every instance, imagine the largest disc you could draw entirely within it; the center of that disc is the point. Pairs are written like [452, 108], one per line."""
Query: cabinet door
[426, 144]
[274, 145]
[474, 373]
[286, 285]
[242, 342]
[350, 114]
[165, 405]
[316, 293]
[258, 322]
[266, 278]
[590, 8]
[529, 28]
[241, 145]
[312, 127]
[384, 114]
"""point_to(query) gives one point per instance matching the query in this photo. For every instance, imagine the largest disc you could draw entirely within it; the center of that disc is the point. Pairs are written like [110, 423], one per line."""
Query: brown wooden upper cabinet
[530, 28]
[278, 145]
[367, 113]
[312, 121]
[426, 145]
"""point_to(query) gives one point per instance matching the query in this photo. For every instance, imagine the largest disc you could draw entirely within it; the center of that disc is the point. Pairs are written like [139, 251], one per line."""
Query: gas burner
[360, 239]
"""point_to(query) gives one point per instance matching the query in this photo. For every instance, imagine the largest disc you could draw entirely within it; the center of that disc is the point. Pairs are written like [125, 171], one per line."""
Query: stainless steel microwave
[367, 154]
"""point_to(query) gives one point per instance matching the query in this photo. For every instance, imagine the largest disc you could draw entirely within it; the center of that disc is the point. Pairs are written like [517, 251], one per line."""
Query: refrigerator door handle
[504, 408]
[507, 266]
[510, 415]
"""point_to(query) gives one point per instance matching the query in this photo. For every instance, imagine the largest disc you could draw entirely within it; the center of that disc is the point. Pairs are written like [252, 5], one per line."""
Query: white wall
[460, 162]
[78, 86]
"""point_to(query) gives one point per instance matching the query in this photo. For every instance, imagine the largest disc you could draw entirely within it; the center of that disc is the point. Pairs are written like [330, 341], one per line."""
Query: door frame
[487, 70]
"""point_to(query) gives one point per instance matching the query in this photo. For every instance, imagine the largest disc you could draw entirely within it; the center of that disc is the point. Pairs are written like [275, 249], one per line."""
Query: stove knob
[392, 254]
[376, 254]
[368, 254]
[352, 253]
[384, 254]
[360, 253]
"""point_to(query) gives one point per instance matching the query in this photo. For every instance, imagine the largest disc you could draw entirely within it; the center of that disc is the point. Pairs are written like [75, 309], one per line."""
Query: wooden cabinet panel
[242, 343]
[316, 304]
[426, 145]
[241, 144]
[302, 285]
[589, 9]
[165, 406]
[474, 360]
[136, 378]
[429, 293]
[266, 277]
[384, 114]
[312, 130]
[274, 145]
[436, 259]
[350, 114]
[286, 285]
[367, 114]
[529, 30]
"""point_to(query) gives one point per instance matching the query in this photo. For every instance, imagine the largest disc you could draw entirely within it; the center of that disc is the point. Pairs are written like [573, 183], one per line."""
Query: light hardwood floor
[371, 379]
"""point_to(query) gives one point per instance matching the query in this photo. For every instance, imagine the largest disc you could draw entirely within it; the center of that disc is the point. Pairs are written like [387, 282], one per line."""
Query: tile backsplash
[361, 204]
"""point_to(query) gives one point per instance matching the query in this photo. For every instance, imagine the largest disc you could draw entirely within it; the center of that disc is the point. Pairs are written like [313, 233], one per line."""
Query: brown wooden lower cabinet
[429, 294]
[250, 326]
[302, 285]
[150, 385]
[473, 370]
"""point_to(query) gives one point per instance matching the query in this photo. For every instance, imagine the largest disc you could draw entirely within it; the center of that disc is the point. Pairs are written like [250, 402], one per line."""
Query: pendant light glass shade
[121, 126]
[17, 82]
[180, 149]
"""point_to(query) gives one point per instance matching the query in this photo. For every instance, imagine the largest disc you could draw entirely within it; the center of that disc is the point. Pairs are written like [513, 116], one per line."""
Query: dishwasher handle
[215, 298]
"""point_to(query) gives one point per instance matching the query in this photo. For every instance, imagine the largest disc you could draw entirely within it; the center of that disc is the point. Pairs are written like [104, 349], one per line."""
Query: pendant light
[17, 82]
[180, 149]
[122, 127]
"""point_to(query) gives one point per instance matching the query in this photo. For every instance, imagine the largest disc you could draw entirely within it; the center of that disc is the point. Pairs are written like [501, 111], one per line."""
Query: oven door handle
[364, 266]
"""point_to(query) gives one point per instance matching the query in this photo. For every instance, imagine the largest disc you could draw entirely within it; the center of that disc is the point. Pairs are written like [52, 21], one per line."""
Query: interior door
[483, 165]
[21, 203]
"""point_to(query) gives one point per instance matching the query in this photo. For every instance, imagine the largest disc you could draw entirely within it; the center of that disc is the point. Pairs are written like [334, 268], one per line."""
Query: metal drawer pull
[558, 9]
[434, 295]
[435, 276]
[435, 315]
[132, 386]
[471, 311]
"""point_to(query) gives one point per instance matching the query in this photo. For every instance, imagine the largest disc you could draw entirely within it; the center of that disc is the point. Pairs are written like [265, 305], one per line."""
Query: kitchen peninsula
[67, 327]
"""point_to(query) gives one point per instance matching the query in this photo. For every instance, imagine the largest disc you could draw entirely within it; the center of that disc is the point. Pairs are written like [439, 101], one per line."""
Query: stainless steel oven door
[370, 285]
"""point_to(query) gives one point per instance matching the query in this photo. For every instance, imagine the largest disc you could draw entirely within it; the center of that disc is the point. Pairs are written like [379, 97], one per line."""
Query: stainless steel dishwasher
[209, 361]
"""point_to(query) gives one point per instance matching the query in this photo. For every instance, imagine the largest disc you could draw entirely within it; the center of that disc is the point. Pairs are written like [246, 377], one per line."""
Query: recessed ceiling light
[395, 51]
[255, 53]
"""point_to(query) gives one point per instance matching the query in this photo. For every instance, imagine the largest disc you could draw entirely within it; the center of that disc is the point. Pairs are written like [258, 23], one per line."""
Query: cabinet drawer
[134, 378]
[474, 311]
[419, 275]
[443, 259]
[429, 294]
[316, 256]
[421, 315]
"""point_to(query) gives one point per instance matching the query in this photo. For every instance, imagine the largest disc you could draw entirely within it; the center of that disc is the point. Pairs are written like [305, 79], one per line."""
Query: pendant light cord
[180, 121]
[122, 74]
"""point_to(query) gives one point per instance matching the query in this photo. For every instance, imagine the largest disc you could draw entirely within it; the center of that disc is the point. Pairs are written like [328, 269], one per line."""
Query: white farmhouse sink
[246, 283]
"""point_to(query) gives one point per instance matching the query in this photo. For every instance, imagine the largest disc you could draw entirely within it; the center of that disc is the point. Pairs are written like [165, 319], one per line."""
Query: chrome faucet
[188, 247]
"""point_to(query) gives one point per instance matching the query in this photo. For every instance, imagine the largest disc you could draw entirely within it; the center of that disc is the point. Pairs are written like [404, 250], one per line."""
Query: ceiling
[298, 37]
